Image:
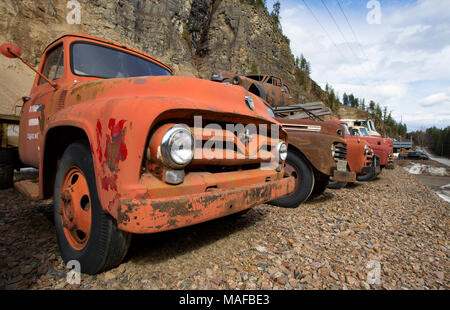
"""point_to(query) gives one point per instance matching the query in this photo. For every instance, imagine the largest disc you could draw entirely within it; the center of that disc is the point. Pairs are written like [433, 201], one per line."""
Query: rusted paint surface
[344, 176]
[147, 216]
[314, 145]
[116, 149]
[118, 115]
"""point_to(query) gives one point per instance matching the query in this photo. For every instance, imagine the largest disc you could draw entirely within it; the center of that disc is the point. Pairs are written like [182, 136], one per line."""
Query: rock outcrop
[194, 37]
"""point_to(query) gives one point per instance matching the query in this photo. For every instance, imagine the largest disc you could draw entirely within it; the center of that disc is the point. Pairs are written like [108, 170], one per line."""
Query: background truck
[9, 137]
[113, 134]
[270, 88]
[368, 124]
[360, 156]
[317, 154]
[382, 147]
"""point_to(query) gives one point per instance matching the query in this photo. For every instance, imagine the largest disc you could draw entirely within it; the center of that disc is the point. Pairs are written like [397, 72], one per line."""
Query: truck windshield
[347, 132]
[364, 132]
[94, 60]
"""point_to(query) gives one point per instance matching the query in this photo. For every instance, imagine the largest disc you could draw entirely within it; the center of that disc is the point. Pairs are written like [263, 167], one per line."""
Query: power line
[326, 32]
[351, 28]
[339, 29]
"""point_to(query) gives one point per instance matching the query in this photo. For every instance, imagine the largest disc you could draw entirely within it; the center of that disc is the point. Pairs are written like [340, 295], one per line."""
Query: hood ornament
[245, 136]
[249, 102]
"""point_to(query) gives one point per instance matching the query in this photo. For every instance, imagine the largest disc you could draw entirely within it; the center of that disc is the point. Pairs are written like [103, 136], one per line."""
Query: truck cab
[124, 147]
[368, 124]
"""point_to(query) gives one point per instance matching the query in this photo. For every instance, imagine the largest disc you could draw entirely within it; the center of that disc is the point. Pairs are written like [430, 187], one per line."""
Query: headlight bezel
[166, 147]
[333, 150]
[282, 152]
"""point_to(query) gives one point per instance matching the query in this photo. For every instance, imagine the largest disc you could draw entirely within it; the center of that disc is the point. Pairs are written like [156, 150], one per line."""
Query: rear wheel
[84, 231]
[300, 169]
[8, 157]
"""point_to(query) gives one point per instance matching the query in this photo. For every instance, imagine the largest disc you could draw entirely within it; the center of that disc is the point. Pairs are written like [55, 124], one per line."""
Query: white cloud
[407, 61]
[436, 99]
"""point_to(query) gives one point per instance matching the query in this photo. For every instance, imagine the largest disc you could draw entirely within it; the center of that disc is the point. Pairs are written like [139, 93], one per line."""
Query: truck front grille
[341, 151]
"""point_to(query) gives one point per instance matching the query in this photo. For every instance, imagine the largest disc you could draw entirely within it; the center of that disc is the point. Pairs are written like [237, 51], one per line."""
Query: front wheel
[84, 231]
[300, 169]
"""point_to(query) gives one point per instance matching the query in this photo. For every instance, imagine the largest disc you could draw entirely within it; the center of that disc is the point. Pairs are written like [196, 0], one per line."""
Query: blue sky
[402, 62]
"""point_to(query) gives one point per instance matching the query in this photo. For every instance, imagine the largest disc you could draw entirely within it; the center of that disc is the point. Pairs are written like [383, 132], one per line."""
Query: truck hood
[175, 92]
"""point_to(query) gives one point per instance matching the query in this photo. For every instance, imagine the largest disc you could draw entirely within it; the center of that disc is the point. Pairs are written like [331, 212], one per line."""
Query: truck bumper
[155, 215]
[390, 164]
[371, 170]
[344, 176]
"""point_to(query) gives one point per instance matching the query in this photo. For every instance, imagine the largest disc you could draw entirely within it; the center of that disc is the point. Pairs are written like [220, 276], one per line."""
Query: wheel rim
[75, 208]
[292, 171]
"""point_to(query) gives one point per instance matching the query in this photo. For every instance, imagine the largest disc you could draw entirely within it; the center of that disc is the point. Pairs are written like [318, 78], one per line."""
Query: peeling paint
[116, 149]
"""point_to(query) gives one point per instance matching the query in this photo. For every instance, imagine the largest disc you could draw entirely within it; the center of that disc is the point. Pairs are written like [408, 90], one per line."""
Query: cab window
[54, 65]
[355, 132]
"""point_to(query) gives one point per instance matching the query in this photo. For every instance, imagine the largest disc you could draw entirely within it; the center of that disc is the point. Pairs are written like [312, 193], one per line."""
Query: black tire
[337, 185]
[322, 181]
[106, 246]
[7, 162]
[306, 182]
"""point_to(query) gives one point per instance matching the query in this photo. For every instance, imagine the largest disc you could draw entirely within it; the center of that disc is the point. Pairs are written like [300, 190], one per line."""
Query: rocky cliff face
[194, 37]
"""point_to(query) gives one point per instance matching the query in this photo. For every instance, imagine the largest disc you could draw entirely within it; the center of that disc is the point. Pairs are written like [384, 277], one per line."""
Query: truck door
[36, 110]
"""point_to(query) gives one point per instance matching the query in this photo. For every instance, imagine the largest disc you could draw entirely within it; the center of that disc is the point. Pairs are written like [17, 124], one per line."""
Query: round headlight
[177, 147]
[366, 149]
[282, 151]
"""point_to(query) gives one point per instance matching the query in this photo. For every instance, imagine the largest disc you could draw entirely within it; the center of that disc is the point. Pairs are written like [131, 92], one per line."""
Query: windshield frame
[71, 64]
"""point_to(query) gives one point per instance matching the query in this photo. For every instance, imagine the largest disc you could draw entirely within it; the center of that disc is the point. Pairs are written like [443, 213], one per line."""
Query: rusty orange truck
[360, 156]
[119, 147]
[382, 147]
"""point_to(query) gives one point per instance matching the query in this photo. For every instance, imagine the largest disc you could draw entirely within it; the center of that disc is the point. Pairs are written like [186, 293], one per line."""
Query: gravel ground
[391, 233]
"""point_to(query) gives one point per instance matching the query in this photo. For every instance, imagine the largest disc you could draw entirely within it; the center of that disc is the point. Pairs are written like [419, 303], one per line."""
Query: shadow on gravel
[28, 246]
[154, 248]
[328, 195]
[355, 185]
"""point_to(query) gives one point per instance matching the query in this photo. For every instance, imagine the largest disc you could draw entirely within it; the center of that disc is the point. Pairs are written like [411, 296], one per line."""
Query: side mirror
[10, 50]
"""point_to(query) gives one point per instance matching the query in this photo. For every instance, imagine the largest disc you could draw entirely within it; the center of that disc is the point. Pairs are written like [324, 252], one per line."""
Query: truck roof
[85, 36]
